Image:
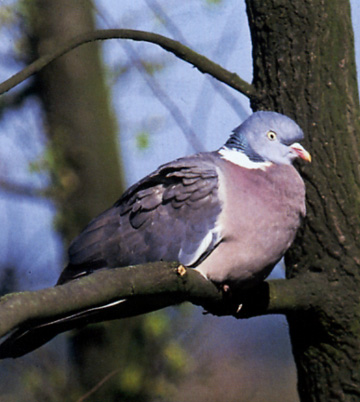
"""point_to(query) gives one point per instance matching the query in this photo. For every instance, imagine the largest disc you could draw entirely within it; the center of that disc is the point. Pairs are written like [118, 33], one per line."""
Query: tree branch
[151, 287]
[183, 52]
[21, 189]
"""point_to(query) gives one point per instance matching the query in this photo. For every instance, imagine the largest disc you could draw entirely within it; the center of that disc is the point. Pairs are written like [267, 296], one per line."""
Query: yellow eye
[271, 135]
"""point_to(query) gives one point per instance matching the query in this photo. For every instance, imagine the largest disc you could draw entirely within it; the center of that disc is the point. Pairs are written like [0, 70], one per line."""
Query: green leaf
[143, 140]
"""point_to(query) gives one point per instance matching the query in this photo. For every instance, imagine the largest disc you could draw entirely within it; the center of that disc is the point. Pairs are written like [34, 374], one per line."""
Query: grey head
[269, 137]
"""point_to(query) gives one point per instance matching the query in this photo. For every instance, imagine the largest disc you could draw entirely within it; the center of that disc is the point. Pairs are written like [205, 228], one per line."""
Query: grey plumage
[230, 214]
[140, 226]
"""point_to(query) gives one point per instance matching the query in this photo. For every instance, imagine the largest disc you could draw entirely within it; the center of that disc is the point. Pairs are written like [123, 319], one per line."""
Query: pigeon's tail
[31, 336]
[26, 339]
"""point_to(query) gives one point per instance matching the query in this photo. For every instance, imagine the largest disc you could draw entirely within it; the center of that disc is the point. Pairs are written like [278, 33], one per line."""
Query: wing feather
[169, 215]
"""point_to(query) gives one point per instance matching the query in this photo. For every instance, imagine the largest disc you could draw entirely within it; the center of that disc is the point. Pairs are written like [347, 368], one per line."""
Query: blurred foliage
[143, 140]
[49, 387]
[7, 15]
[148, 362]
[152, 67]
[214, 1]
[64, 181]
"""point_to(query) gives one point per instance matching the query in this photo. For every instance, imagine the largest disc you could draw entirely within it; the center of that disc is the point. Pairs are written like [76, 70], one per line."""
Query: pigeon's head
[269, 137]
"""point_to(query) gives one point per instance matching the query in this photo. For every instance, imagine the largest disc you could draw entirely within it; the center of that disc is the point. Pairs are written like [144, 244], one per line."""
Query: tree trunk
[84, 160]
[83, 149]
[83, 154]
[304, 66]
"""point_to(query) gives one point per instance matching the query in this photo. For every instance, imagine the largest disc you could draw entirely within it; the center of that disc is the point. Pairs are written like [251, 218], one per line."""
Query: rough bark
[150, 287]
[304, 66]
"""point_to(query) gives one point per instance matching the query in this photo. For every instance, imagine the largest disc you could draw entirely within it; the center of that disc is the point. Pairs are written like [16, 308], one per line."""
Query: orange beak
[301, 152]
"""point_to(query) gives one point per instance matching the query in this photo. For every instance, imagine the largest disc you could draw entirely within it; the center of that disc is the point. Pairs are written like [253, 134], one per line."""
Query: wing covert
[169, 215]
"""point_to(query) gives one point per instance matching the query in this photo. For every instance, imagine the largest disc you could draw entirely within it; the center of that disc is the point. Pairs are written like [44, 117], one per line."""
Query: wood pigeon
[230, 214]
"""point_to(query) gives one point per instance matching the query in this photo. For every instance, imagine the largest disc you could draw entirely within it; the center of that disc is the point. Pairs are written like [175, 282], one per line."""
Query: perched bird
[230, 214]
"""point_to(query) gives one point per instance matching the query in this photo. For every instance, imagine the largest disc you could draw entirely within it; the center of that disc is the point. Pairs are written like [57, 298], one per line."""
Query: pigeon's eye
[271, 135]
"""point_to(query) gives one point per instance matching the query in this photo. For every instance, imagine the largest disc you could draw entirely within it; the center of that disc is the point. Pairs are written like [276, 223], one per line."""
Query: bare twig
[159, 93]
[166, 100]
[177, 34]
[199, 61]
[98, 385]
[21, 189]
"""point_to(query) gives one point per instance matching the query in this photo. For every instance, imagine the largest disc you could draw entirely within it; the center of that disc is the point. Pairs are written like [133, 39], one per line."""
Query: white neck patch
[241, 159]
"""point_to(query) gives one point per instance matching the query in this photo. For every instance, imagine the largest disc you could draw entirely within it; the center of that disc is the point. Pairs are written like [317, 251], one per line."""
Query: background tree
[87, 179]
[82, 146]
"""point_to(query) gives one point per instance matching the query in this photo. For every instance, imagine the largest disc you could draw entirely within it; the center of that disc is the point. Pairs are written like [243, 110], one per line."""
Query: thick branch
[202, 63]
[150, 286]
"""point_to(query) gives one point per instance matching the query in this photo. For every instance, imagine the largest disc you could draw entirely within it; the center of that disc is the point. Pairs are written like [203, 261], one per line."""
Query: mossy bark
[304, 66]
